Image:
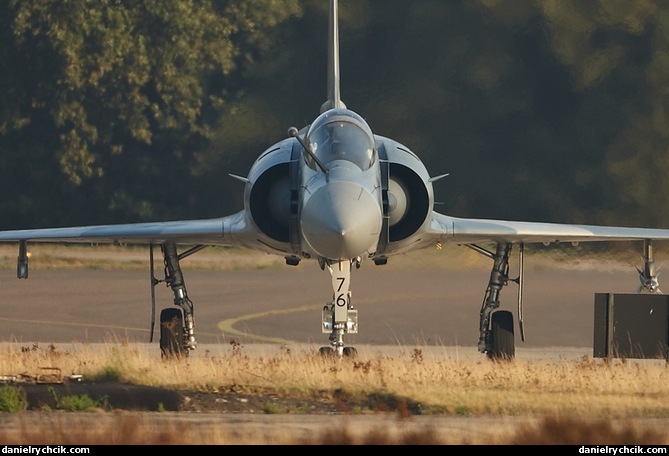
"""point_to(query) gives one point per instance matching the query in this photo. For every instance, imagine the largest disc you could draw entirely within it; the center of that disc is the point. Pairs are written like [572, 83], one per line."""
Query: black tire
[502, 346]
[350, 352]
[171, 333]
[326, 351]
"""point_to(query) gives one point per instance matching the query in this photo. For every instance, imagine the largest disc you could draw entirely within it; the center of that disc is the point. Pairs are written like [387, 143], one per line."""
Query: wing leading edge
[472, 231]
[232, 230]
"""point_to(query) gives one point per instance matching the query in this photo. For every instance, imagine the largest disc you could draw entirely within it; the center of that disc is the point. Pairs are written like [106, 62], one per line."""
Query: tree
[109, 92]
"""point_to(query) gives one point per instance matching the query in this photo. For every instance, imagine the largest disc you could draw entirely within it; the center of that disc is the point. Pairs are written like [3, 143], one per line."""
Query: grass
[12, 399]
[110, 257]
[135, 429]
[78, 402]
[448, 256]
[585, 400]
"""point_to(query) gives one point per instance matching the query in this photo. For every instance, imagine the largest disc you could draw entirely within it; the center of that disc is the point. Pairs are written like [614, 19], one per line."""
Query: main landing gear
[496, 338]
[648, 275]
[496, 326]
[339, 316]
[177, 335]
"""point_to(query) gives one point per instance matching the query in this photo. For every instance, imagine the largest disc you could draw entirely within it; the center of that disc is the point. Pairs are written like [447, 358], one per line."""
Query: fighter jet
[335, 193]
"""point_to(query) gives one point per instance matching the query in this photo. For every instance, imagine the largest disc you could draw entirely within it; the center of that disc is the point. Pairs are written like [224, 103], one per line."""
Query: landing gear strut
[648, 275]
[177, 334]
[339, 316]
[496, 338]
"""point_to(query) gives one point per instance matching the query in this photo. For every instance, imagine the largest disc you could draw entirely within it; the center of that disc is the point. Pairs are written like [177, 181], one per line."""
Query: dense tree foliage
[106, 101]
[115, 110]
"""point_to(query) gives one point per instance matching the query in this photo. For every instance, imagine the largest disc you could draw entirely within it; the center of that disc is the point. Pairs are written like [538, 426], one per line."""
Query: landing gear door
[341, 279]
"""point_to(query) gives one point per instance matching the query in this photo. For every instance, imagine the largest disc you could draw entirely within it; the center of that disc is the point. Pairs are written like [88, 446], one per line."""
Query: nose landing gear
[339, 316]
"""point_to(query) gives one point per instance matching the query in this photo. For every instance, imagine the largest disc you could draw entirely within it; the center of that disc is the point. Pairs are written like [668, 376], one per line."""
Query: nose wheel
[348, 352]
[339, 316]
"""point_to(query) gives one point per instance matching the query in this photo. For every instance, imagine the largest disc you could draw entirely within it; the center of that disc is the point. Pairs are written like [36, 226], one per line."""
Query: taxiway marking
[227, 326]
[83, 325]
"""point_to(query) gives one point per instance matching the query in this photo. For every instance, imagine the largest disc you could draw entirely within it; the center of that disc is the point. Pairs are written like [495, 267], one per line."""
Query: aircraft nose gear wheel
[339, 316]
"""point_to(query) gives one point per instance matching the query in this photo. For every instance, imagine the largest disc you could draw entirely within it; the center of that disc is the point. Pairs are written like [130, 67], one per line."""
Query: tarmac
[398, 306]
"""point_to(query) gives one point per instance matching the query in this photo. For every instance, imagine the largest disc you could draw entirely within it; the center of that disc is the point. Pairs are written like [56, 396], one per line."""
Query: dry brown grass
[582, 401]
[108, 257]
[588, 387]
[135, 429]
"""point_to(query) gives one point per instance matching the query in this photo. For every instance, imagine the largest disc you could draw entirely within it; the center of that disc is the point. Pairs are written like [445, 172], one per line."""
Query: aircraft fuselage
[341, 207]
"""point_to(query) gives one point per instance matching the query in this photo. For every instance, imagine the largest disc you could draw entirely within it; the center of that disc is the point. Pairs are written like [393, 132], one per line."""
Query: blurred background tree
[106, 102]
[117, 111]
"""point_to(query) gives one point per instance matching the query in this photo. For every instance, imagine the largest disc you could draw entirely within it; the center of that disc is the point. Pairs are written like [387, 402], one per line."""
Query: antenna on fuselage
[334, 96]
[294, 133]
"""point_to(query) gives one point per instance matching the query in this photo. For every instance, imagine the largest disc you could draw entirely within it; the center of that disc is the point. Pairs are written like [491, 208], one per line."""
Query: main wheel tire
[350, 352]
[326, 351]
[502, 346]
[171, 333]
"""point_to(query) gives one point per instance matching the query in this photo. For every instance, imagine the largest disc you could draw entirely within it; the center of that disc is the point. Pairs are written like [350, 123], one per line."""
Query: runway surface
[397, 305]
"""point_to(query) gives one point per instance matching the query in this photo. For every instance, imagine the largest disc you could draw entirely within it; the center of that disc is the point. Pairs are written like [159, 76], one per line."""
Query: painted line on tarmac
[83, 325]
[228, 326]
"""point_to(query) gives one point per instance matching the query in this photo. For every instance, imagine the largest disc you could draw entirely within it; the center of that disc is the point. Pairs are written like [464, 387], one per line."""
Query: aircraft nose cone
[341, 220]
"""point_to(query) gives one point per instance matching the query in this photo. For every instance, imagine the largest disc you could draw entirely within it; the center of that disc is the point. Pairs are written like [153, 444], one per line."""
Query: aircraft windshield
[341, 139]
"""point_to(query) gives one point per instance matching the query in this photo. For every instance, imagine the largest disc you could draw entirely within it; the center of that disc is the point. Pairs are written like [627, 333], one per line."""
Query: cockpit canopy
[340, 134]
